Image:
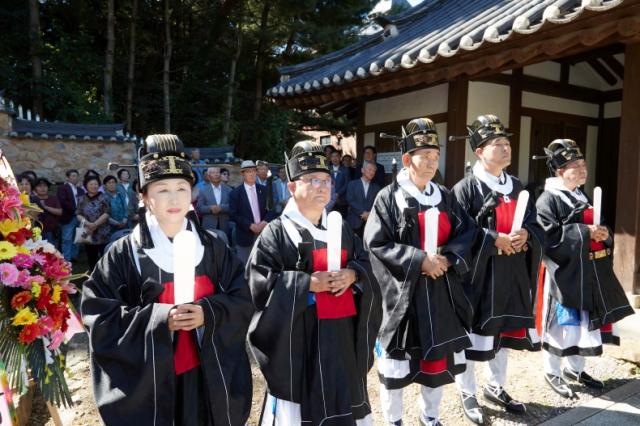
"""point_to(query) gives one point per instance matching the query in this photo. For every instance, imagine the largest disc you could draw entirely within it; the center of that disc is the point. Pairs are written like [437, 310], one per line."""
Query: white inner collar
[431, 196]
[501, 184]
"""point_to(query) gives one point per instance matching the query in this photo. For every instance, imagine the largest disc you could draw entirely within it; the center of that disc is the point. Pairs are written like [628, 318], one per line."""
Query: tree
[108, 59]
[132, 65]
[36, 52]
[166, 77]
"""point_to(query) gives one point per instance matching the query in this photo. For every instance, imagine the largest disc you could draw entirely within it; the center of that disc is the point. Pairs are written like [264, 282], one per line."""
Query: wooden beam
[456, 125]
[555, 116]
[602, 71]
[615, 65]
[626, 252]
[515, 112]
[564, 73]
[613, 49]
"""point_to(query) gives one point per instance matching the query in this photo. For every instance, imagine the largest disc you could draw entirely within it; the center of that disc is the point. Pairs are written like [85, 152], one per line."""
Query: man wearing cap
[314, 332]
[247, 208]
[425, 312]
[501, 283]
[581, 297]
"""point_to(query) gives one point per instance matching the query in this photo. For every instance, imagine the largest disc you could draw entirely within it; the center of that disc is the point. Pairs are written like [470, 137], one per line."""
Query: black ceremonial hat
[306, 157]
[561, 152]
[163, 157]
[485, 128]
[419, 133]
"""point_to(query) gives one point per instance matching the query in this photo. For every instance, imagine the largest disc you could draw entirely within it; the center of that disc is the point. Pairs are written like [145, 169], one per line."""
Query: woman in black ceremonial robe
[155, 362]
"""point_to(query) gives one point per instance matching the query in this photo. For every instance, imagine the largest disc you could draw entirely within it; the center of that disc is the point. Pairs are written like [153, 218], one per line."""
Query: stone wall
[50, 157]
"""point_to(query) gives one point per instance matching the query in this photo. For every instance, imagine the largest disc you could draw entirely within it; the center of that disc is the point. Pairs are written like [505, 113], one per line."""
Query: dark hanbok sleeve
[280, 294]
[130, 342]
[397, 266]
[227, 315]
[566, 247]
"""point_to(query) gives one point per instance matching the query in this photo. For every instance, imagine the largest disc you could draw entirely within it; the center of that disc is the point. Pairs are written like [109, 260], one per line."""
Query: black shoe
[396, 423]
[471, 408]
[583, 378]
[558, 384]
[499, 396]
[429, 421]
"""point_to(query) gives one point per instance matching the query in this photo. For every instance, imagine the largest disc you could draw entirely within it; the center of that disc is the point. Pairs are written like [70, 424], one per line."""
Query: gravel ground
[525, 383]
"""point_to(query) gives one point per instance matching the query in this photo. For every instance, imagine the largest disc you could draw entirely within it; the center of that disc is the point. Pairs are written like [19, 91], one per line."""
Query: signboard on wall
[386, 159]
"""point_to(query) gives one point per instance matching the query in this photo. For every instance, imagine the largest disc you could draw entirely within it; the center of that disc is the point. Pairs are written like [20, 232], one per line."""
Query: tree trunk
[167, 63]
[108, 60]
[132, 65]
[262, 41]
[35, 44]
[230, 92]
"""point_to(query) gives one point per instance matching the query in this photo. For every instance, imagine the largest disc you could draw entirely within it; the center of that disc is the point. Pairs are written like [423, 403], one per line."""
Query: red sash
[329, 306]
[433, 367]
[186, 354]
[587, 219]
[504, 215]
[444, 228]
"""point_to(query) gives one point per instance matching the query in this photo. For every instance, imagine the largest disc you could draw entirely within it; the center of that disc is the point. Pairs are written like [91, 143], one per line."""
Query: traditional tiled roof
[52, 130]
[217, 154]
[26, 127]
[433, 30]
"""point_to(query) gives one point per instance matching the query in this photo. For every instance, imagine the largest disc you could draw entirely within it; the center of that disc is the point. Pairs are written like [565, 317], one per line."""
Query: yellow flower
[7, 250]
[25, 199]
[23, 250]
[37, 232]
[35, 289]
[55, 296]
[24, 317]
[8, 226]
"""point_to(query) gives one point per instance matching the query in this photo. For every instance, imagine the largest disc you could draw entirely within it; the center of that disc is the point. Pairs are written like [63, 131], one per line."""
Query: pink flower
[55, 268]
[8, 274]
[9, 202]
[46, 324]
[69, 288]
[23, 261]
[56, 339]
[39, 258]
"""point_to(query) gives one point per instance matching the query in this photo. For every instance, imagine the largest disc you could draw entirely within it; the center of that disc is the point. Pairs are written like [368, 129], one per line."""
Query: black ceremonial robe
[321, 364]
[132, 349]
[576, 279]
[501, 287]
[424, 319]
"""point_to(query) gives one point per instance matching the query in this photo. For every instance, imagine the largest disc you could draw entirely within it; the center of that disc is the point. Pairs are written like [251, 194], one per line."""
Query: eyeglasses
[317, 183]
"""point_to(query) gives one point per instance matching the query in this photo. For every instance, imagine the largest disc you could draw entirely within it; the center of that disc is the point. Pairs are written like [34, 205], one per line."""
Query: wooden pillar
[456, 126]
[515, 113]
[627, 233]
[360, 132]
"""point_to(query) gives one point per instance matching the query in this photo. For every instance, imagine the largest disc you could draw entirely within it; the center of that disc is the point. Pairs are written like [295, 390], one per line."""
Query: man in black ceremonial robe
[582, 298]
[155, 361]
[314, 331]
[425, 311]
[502, 280]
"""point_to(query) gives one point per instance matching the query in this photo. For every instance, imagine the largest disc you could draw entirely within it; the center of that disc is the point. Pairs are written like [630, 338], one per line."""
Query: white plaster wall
[424, 102]
[549, 70]
[524, 156]
[612, 109]
[486, 98]
[369, 139]
[441, 128]
[581, 74]
[591, 157]
[552, 103]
